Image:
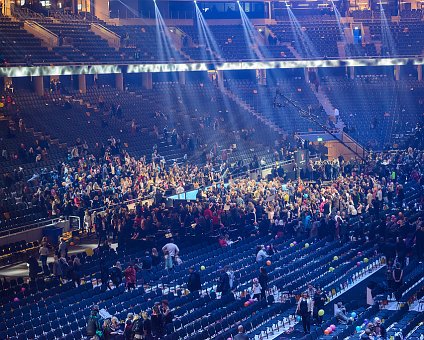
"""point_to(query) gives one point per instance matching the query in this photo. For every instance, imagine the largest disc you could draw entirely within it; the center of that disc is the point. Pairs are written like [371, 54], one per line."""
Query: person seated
[341, 314]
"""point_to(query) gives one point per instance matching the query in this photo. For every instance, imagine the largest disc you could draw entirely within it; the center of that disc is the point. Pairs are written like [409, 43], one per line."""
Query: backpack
[92, 325]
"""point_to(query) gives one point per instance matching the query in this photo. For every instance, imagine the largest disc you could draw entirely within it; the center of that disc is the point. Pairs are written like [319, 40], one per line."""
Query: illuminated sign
[33, 71]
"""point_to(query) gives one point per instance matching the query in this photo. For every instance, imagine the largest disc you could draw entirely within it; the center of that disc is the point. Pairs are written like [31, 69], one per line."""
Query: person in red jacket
[130, 277]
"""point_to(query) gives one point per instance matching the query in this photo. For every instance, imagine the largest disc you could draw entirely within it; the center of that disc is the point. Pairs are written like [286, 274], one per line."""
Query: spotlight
[195, 1]
[238, 1]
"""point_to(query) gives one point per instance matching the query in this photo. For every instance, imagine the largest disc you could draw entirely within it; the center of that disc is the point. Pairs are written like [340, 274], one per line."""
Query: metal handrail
[35, 23]
[43, 223]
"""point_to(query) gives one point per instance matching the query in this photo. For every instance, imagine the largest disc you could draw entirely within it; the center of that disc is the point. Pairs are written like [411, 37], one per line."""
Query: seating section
[196, 316]
[411, 15]
[198, 111]
[310, 40]
[355, 50]
[265, 100]
[142, 43]
[62, 309]
[17, 46]
[12, 252]
[374, 121]
[314, 36]
[399, 39]
[362, 15]
[79, 36]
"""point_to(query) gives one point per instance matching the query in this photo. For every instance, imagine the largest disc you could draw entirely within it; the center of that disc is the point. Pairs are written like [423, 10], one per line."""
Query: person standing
[33, 268]
[137, 327]
[168, 315]
[263, 281]
[94, 327]
[304, 309]
[397, 279]
[57, 268]
[241, 335]
[147, 261]
[87, 221]
[63, 249]
[76, 271]
[155, 258]
[193, 283]
[223, 282]
[256, 289]
[157, 322]
[171, 249]
[169, 264]
[319, 301]
[130, 277]
[116, 274]
[419, 240]
[44, 253]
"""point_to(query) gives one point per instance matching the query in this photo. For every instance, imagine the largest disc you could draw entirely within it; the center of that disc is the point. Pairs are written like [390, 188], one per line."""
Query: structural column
[220, 77]
[119, 81]
[147, 80]
[182, 78]
[397, 72]
[82, 83]
[6, 83]
[306, 74]
[420, 72]
[6, 8]
[38, 85]
[261, 76]
[351, 72]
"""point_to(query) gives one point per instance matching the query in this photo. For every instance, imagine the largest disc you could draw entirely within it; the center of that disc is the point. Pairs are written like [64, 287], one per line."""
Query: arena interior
[214, 169]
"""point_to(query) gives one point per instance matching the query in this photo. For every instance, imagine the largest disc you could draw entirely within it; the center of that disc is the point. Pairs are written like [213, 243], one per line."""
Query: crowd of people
[325, 203]
[332, 194]
[144, 325]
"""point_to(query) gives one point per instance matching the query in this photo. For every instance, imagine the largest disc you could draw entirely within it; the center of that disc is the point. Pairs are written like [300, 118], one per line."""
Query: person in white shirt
[171, 249]
[336, 114]
[256, 289]
[261, 255]
[87, 221]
